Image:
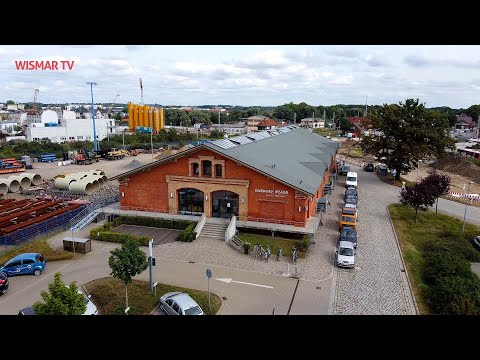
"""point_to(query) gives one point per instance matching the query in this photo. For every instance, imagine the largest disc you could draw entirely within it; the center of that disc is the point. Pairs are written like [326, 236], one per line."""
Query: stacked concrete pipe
[24, 181]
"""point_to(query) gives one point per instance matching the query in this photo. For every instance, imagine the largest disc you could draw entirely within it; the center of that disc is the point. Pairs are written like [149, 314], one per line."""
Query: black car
[3, 283]
[369, 167]
[351, 200]
[344, 169]
[351, 191]
[476, 242]
[27, 311]
[349, 234]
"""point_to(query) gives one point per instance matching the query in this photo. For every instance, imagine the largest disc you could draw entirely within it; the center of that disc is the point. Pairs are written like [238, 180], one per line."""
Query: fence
[56, 224]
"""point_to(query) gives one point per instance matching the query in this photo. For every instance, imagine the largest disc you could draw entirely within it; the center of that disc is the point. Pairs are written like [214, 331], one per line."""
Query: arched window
[207, 168]
[218, 170]
[195, 169]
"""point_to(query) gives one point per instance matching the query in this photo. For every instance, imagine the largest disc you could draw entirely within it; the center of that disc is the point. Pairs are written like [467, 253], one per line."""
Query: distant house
[267, 124]
[464, 122]
[312, 123]
[361, 123]
[253, 121]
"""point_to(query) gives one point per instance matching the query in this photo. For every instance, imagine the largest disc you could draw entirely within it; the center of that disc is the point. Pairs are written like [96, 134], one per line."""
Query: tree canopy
[406, 133]
[61, 299]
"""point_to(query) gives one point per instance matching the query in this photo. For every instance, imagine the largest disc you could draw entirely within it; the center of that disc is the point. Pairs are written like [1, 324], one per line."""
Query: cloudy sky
[247, 75]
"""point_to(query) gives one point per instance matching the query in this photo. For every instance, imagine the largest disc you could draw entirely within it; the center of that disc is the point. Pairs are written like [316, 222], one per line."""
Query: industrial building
[145, 116]
[273, 176]
[71, 130]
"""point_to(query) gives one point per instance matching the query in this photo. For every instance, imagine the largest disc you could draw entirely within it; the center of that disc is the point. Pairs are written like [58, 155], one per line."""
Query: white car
[351, 179]
[345, 254]
[91, 307]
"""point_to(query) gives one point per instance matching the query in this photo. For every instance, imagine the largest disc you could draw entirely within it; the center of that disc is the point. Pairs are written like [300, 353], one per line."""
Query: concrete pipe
[3, 187]
[13, 185]
[98, 178]
[82, 187]
[97, 172]
[24, 181]
[36, 179]
[63, 183]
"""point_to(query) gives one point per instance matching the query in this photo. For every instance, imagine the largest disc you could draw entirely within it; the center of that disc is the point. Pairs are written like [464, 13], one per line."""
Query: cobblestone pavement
[378, 284]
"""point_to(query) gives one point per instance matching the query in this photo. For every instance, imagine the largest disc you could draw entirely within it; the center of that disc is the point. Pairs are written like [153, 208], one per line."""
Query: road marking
[229, 280]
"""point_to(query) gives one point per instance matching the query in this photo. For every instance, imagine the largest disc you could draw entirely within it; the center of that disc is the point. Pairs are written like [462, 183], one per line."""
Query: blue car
[30, 263]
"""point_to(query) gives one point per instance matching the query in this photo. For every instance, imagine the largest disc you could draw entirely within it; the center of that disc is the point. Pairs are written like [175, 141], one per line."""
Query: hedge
[153, 222]
[103, 233]
[188, 234]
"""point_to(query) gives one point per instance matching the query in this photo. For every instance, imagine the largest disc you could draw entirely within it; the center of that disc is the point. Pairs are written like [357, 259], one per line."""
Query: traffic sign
[209, 273]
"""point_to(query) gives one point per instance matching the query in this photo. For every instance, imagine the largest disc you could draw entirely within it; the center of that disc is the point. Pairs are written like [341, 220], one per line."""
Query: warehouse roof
[292, 155]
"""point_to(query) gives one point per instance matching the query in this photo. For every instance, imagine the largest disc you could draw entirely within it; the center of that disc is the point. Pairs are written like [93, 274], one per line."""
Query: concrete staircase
[214, 230]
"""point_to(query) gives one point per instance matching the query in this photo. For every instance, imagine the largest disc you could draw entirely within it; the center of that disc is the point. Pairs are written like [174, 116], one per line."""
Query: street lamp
[418, 166]
[95, 147]
[466, 204]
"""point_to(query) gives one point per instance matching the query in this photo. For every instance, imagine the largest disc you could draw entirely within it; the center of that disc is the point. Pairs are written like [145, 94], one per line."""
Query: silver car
[345, 254]
[178, 303]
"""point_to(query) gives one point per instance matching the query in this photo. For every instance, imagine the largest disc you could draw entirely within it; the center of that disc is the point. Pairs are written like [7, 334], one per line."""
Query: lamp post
[95, 147]
[466, 204]
[418, 166]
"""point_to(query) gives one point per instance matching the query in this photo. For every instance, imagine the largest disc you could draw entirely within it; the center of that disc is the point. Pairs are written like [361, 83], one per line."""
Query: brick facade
[260, 197]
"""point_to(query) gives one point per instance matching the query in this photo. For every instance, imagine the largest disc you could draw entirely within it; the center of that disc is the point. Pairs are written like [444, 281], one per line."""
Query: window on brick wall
[195, 169]
[218, 170]
[207, 167]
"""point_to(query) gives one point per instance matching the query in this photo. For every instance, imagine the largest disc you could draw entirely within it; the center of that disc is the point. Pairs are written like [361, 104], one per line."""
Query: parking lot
[377, 285]
[159, 236]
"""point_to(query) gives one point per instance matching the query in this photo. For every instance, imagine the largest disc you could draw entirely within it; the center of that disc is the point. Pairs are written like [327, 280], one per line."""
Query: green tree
[10, 102]
[215, 134]
[473, 111]
[61, 299]
[126, 262]
[345, 125]
[409, 132]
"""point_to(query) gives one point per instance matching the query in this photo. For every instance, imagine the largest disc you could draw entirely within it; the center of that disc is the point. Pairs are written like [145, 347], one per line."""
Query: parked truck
[85, 157]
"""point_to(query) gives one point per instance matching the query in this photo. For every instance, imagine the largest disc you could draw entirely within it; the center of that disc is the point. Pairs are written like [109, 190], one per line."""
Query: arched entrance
[224, 204]
[190, 201]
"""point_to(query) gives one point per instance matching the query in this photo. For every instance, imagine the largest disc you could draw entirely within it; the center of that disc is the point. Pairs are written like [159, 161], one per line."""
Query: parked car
[476, 242]
[27, 311]
[344, 169]
[347, 221]
[90, 310]
[369, 167]
[348, 234]
[351, 200]
[29, 263]
[351, 179]
[345, 254]
[178, 303]
[3, 283]
[351, 191]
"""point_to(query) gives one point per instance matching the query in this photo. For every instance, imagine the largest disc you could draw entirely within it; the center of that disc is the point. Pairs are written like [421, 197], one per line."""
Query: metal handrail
[272, 221]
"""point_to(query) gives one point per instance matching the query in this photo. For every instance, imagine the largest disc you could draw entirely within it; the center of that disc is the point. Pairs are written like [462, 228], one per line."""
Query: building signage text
[272, 192]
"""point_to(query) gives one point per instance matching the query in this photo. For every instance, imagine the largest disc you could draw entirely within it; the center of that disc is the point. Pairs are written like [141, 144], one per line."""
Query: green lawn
[108, 294]
[40, 246]
[430, 227]
[275, 243]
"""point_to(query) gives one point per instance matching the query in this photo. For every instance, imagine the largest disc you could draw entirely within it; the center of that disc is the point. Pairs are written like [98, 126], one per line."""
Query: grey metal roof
[298, 158]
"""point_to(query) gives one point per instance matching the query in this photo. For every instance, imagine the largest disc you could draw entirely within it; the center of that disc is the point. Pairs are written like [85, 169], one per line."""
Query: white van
[351, 179]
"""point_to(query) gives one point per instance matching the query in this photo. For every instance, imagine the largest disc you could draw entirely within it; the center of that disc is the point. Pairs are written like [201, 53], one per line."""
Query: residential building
[312, 123]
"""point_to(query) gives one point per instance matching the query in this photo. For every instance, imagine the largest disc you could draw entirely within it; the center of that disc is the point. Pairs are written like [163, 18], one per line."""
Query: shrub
[102, 235]
[152, 222]
[305, 243]
[455, 245]
[455, 295]
[188, 234]
[443, 264]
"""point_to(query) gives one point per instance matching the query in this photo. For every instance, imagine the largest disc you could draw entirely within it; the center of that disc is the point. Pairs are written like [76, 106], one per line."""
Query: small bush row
[152, 222]
[102, 235]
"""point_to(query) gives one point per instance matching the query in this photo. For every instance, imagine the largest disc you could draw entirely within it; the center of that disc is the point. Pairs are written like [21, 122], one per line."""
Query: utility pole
[141, 91]
[95, 146]
[294, 118]
[366, 108]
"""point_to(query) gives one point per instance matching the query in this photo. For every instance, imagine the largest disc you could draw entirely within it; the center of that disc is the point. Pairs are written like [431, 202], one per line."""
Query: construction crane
[141, 92]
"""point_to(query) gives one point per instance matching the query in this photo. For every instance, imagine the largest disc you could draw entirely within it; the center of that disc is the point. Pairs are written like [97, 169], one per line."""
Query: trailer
[86, 157]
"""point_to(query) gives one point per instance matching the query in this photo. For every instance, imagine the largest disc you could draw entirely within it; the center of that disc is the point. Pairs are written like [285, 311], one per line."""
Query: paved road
[377, 285]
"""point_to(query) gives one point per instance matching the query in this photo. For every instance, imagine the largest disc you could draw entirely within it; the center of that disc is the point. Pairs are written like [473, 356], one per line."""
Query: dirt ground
[350, 148]
[110, 167]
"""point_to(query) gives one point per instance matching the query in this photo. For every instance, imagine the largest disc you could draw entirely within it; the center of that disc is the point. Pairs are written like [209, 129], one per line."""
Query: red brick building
[270, 176]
